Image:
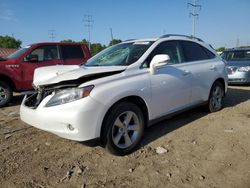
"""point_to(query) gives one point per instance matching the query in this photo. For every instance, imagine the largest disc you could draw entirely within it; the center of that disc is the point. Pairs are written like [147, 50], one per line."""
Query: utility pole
[89, 24]
[111, 34]
[238, 42]
[52, 34]
[194, 14]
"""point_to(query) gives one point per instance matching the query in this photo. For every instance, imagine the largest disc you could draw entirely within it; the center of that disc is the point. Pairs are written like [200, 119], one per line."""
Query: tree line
[11, 42]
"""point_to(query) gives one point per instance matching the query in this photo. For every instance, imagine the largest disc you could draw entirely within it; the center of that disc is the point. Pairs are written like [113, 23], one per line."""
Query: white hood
[59, 73]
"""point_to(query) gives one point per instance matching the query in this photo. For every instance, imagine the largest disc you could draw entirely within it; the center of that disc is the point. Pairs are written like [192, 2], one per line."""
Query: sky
[220, 22]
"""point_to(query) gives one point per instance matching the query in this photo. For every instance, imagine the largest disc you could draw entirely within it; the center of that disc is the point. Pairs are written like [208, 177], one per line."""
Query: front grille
[237, 80]
[35, 99]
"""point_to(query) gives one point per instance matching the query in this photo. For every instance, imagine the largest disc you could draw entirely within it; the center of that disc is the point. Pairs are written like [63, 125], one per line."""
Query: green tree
[221, 49]
[84, 41]
[9, 42]
[67, 40]
[96, 48]
[114, 41]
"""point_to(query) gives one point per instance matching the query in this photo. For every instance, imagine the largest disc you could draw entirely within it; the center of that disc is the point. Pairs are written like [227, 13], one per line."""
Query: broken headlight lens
[69, 95]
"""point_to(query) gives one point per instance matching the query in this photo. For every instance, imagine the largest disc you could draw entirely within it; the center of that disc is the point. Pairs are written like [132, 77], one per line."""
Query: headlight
[244, 69]
[69, 95]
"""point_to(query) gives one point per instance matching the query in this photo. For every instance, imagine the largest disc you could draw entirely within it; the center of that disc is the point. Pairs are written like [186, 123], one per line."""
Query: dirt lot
[201, 150]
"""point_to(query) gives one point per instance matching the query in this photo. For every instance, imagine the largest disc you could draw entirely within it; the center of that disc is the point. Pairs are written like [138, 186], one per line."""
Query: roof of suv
[238, 49]
[56, 43]
[170, 36]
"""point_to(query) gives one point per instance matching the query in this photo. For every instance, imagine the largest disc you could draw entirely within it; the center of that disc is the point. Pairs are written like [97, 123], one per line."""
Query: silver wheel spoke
[118, 137]
[129, 116]
[118, 123]
[128, 141]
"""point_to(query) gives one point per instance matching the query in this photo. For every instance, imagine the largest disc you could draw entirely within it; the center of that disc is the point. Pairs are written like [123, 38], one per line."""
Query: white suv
[125, 88]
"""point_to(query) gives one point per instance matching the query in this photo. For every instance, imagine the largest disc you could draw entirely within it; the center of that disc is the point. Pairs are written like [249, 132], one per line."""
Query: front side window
[170, 48]
[194, 52]
[43, 53]
[120, 55]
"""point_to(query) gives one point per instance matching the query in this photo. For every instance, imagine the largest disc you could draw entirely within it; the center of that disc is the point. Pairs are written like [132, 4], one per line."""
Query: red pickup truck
[16, 71]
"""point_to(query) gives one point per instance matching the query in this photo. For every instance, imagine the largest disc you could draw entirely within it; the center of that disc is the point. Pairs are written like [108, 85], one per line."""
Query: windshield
[239, 55]
[18, 53]
[120, 55]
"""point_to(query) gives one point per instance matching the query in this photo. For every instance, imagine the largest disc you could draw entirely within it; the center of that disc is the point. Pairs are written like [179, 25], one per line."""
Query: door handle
[212, 67]
[186, 72]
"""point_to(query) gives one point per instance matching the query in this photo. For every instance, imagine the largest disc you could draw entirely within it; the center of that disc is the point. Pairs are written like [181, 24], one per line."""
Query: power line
[52, 34]
[194, 14]
[88, 22]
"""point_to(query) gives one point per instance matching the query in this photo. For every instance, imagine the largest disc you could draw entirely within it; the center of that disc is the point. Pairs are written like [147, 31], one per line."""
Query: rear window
[195, 52]
[72, 52]
[239, 55]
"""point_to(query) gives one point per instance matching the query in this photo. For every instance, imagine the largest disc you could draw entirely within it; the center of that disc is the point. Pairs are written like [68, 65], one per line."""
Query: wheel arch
[222, 81]
[8, 80]
[133, 99]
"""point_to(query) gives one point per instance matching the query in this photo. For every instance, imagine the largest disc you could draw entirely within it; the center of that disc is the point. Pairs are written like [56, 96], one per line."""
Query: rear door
[202, 65]
[45, 56]
[72, 54]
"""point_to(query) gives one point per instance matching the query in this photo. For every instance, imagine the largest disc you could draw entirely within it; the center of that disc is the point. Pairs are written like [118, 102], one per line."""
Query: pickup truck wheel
[125, 127]
[5, 93]
[215, 97]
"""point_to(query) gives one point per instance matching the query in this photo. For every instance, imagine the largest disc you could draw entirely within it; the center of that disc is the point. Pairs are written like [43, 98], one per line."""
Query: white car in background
[125, 88]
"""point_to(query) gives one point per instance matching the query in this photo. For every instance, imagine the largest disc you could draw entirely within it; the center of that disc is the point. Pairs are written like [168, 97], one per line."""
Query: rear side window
[72, 52]
[194, 52]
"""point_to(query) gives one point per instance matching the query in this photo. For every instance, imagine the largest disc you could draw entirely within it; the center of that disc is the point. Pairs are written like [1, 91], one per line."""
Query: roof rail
[177, 35]
[128, 40]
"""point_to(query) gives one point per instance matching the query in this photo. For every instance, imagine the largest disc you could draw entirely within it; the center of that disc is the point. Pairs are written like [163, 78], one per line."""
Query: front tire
[5, 93]
[123, 128]
[215, 97]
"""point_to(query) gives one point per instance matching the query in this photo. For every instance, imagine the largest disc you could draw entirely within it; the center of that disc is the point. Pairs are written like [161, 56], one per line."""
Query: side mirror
[31, 58]
[158, 61]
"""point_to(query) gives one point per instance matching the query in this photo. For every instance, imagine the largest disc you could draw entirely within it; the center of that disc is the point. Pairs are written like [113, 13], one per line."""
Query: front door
[171, 84]
[39, 57]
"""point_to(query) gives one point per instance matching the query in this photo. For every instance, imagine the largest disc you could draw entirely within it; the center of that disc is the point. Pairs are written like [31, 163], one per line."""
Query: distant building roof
[4, 52]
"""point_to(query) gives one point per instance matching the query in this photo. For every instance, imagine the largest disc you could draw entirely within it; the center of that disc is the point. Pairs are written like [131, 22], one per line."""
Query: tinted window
[72, 52]
[44, 53]
[194, 52]
[237, 55]
[209, 54]
[170, 48]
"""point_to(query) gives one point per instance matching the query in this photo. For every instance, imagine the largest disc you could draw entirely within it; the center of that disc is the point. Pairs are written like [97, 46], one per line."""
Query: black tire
[6, 93]
[215, 99]
[119, 138]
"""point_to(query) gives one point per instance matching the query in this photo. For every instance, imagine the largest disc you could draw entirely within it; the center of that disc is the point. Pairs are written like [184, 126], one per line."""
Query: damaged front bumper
[79, 120]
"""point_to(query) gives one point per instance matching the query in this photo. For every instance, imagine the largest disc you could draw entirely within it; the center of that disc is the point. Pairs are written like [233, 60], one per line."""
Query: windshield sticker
[142, 43]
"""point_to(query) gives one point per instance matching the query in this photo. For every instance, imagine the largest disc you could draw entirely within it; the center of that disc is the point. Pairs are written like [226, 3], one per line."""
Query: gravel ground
[193, 149]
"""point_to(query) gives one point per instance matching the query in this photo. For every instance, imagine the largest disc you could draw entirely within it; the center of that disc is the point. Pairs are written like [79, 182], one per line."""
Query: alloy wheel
[216, 98]
[126, 129]
[3, 94]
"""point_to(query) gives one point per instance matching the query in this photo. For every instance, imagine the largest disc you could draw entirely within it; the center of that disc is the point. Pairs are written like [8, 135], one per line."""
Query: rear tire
[6, 93]
[215, 97]
[123, 128]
